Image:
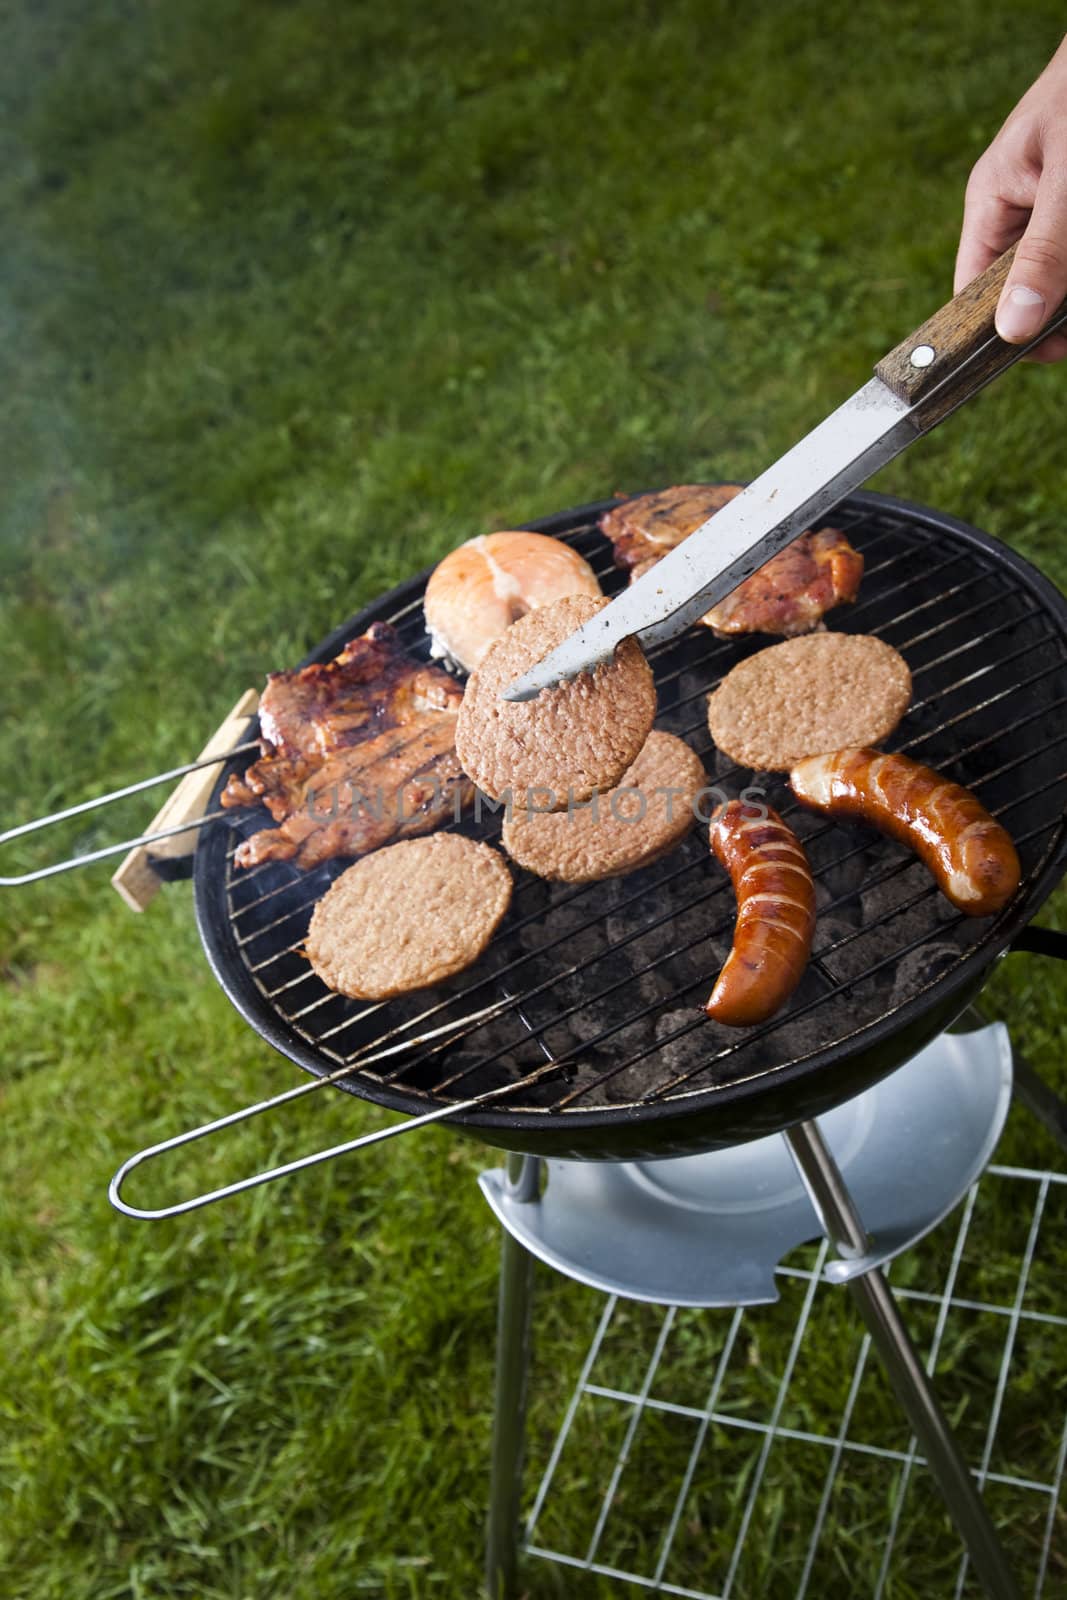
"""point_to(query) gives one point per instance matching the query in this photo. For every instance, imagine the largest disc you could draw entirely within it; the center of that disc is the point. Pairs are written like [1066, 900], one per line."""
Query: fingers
[990, 225]
[1054, 348]
[1037, 282]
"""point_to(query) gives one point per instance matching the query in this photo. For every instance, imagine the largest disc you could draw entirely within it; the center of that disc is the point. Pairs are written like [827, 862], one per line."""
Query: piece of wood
[956, 351]
[136, 880]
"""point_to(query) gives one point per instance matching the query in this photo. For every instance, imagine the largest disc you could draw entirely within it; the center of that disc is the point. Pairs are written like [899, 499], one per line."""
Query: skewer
[107, 800]
[108, 850]
[178, 816]
[136, 880]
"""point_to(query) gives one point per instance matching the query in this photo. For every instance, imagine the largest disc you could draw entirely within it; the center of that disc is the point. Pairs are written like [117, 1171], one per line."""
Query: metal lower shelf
[693, 1459]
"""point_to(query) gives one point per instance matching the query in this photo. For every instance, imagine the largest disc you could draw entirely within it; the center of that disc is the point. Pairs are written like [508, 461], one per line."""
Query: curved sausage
[775, 913]
[971, 857]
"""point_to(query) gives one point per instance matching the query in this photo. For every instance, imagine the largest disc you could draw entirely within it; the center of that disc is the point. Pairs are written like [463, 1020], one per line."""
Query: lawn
[294, 298]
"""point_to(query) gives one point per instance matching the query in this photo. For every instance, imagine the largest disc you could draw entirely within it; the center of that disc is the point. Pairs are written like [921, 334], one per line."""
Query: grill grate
[749, 1427]
[610, 978]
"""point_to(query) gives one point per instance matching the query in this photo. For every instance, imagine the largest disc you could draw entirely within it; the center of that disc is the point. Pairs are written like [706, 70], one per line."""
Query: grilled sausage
[971, 857]
[775, 913]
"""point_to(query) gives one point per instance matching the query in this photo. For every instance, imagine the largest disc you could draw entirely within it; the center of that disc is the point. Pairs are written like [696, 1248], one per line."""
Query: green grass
[294, 297]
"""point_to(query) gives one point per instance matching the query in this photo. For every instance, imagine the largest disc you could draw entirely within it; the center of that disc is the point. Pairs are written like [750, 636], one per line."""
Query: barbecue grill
[581, 1034]
[584, 1018]
[583, 1026]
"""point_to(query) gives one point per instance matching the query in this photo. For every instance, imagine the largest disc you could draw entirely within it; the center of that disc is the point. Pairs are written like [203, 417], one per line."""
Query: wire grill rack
[689, 1464]
[612, 976]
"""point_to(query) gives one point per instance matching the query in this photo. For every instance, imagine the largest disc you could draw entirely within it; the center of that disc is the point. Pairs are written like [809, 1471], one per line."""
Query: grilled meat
[355, 753]
[804, 696]
[775, 913]
[569, 741]
[409, 916]
[970, 855]
[789, 595]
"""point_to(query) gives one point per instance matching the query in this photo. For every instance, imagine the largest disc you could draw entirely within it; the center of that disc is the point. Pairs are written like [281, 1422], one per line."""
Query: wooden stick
[136, 880]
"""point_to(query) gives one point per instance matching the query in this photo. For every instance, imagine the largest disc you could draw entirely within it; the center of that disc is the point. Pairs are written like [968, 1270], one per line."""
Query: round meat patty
[825, 691]
[570, 740]
[408, 916]
[647, 815]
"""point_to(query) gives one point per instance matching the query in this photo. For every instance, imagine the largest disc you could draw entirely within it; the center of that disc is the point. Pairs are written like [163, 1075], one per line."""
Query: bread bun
[479, 590]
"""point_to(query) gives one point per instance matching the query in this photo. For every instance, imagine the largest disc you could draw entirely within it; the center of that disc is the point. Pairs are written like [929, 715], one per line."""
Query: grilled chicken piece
[356, 753]
[789, 595]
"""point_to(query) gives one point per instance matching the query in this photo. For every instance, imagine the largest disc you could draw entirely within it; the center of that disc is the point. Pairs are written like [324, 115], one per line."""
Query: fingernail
[1020, 314]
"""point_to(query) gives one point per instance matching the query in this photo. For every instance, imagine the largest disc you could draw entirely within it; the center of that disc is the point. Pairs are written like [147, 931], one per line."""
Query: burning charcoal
[694, 685]
[893, 888]
[656, 985]
[598, 1017]
[597, 1065]
[830, 927]
[683, 946]
[728, 775]
[944, 910]
[897, 912]
[632, 1082]
[921, 967]
[844, 874]
[823, 897]
[619, 928]
[631, 1085]
[463, 1066]
[467, 1072]
[649, 943]
[803, 1036]
[557, 923]
[692, 1047]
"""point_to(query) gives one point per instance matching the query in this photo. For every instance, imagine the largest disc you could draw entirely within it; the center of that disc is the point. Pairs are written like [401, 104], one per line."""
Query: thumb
[1037, 282]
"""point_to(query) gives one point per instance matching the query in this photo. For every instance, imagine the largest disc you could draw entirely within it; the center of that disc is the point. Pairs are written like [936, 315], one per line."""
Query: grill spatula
[947, 360]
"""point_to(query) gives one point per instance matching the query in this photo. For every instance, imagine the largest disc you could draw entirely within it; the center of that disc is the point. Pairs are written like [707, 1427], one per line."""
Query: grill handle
[246, 1113]
[1041, 942]
[114, 1190]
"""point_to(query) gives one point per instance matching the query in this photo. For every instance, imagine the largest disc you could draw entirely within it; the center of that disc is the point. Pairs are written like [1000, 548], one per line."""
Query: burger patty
[828, 691]
[649, 813]
[408, 916]
[568, 741]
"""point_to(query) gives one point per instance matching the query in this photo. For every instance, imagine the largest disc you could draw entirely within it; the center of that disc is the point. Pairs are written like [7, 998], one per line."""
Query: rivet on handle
[922, 355]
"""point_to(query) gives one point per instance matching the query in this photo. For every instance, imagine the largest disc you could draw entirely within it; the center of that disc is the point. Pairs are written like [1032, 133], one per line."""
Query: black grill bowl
[609, 979]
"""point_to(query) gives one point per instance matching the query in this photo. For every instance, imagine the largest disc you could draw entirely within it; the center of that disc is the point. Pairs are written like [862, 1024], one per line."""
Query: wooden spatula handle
[956, 351]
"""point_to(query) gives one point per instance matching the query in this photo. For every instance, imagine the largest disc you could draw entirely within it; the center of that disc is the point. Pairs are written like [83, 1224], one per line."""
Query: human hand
[1018, 190]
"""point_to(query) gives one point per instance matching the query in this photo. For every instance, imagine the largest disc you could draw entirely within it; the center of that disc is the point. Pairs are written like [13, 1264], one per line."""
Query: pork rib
[789, 595]
[356, 752]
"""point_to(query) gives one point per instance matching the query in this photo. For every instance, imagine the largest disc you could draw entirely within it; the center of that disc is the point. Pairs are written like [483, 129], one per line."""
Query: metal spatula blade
[946, 361]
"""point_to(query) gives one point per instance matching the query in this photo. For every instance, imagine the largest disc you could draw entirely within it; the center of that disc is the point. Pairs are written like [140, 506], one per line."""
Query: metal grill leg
[509, 1407]
[1044, 1103]
[1028, 1087]
[842, 1225]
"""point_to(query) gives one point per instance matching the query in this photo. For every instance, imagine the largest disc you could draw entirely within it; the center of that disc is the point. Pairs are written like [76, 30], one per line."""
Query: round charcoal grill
[608, 980]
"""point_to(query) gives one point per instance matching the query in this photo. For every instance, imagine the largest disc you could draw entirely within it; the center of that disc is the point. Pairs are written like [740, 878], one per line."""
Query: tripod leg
[1041, 1101]
[1028, 1087]
[843, 1227]
[509, 1410]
